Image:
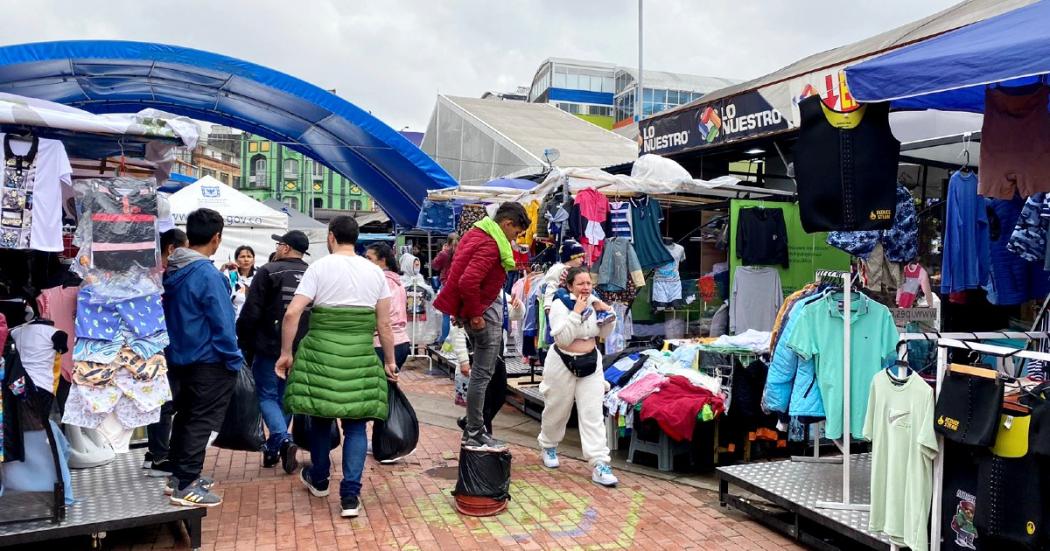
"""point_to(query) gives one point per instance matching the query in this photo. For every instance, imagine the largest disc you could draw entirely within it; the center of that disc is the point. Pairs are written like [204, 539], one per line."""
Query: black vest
[847, 178]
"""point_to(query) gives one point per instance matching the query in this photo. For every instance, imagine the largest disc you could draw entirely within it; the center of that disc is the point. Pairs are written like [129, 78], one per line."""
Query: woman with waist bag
[572, 373]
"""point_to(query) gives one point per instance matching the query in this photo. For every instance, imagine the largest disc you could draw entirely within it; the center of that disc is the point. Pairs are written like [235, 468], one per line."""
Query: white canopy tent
[248, 222]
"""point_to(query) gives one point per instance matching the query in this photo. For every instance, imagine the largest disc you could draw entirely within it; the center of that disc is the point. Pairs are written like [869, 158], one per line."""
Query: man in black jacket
[259, 335]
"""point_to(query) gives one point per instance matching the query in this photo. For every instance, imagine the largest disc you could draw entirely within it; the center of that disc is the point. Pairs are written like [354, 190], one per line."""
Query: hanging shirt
[761, 237]
[620, 220]
[819, 333]
[965, 263]
[646, 216]
[1015, 143]
[899, 423]
[755, 299]
[31, 193]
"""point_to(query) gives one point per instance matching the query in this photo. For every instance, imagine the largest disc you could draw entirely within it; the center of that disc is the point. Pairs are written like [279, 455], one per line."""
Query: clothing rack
[943, 345]
[847, 314]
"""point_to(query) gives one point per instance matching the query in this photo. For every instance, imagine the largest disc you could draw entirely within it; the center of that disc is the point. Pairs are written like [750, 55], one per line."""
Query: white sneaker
[603, 475]
[550, 458]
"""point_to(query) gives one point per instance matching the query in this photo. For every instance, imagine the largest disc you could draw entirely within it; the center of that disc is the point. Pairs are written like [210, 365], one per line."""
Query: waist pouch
[580, 366]
[967, 410]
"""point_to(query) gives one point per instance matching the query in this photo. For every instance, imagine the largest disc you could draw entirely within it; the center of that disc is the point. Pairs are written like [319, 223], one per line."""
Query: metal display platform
[792, 490]
[111, 497]
[515, 366]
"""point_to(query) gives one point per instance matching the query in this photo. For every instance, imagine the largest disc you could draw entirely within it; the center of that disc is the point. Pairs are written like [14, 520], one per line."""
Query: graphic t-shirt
[899, 424]
[669, 271]
[341, 280]
[31, 193]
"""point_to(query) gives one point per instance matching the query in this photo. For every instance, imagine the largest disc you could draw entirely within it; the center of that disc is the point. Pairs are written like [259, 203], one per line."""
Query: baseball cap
[294, 239]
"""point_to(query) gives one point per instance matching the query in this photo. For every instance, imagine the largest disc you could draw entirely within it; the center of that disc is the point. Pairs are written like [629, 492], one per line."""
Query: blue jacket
[199, 313]
[791, 386]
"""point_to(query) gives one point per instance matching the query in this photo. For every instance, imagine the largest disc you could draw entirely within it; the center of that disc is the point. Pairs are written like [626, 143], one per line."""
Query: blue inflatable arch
[121, 77]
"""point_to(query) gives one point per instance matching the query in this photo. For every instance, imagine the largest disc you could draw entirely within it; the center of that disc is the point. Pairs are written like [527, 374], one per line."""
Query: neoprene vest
[846, 172]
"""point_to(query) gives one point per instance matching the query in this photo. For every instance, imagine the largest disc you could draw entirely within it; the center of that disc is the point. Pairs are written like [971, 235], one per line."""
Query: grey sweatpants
[486, 346]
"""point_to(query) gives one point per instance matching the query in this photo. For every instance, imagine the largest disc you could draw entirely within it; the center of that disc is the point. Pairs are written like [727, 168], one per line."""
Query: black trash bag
[301, 431]
[484, 474]
[398, 435]
[242, 429]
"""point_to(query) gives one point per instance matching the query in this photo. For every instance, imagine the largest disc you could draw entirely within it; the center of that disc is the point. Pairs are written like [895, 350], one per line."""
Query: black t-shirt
[761, 237]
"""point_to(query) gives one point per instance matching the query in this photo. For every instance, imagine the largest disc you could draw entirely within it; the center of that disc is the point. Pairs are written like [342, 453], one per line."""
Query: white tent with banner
[247, 221]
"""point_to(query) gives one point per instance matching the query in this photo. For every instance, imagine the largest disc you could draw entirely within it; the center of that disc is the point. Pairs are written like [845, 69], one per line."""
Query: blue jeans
[355, 446]
[270, 390]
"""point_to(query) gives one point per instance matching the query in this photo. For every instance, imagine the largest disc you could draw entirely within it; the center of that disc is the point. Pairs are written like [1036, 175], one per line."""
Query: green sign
[807, 252]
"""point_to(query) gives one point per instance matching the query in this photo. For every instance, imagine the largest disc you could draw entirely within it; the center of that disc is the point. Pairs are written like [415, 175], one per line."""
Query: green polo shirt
[873, 344]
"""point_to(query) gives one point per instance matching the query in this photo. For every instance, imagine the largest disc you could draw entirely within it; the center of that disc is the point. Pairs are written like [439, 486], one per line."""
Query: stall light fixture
[755, 151]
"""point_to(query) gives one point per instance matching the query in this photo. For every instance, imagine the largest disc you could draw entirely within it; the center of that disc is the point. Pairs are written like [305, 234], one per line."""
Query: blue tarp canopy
[119, 77]
[949, 72]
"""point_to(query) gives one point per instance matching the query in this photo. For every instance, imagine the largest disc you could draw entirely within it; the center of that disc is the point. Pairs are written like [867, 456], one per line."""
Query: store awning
[118, 77]
[950, 71]
[768, 105]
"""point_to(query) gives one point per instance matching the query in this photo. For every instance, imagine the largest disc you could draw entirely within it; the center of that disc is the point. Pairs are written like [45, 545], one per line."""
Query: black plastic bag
[398, 435]
[301, 431]
[484, 474]
[242, 429]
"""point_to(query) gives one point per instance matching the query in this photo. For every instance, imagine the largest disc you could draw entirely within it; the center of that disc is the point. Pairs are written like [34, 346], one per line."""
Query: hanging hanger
[965, 168]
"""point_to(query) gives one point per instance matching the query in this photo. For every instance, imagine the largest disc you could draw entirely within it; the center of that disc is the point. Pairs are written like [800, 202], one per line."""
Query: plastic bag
[301, 432]
[398, 435]
[242, 429]
[484, 474]
[462, 383]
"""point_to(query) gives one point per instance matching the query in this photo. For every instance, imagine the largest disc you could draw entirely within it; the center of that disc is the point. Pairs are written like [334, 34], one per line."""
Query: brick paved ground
[409, 506]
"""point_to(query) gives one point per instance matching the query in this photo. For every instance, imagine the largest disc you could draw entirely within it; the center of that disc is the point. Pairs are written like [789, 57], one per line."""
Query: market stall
[956, 457]
[81, 327]
[676, 239]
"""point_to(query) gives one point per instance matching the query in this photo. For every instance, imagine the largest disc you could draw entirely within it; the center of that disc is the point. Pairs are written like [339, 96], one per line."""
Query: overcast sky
[391, 57]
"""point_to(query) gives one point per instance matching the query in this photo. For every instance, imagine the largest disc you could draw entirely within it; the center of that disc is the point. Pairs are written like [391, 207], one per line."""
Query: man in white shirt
[336, 373]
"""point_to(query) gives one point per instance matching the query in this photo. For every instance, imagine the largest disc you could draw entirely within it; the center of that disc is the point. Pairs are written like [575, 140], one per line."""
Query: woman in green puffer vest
[335, 373]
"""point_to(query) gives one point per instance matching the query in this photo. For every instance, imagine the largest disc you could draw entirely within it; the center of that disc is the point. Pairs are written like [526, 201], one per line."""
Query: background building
[583, 88]
[662, 91]
[604, 93]
[218, 154]
[273, 171]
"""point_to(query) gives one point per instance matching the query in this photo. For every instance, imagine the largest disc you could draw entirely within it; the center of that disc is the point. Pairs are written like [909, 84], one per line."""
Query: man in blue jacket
[203, 356]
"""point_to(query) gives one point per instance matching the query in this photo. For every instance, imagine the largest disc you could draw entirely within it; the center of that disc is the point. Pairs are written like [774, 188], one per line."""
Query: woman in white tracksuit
[572, 373]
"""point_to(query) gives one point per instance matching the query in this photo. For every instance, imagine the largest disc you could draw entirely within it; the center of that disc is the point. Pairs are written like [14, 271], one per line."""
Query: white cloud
[391, 57]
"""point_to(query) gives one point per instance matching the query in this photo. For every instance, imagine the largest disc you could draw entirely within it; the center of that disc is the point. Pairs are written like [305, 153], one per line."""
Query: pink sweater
[398, 309]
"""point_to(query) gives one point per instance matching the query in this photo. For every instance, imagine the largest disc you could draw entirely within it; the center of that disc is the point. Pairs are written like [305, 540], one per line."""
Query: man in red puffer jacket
[472, 295]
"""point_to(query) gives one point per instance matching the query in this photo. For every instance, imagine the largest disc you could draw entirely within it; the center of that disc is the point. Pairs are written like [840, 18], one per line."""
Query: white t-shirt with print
[341, 280]
[52, 175]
